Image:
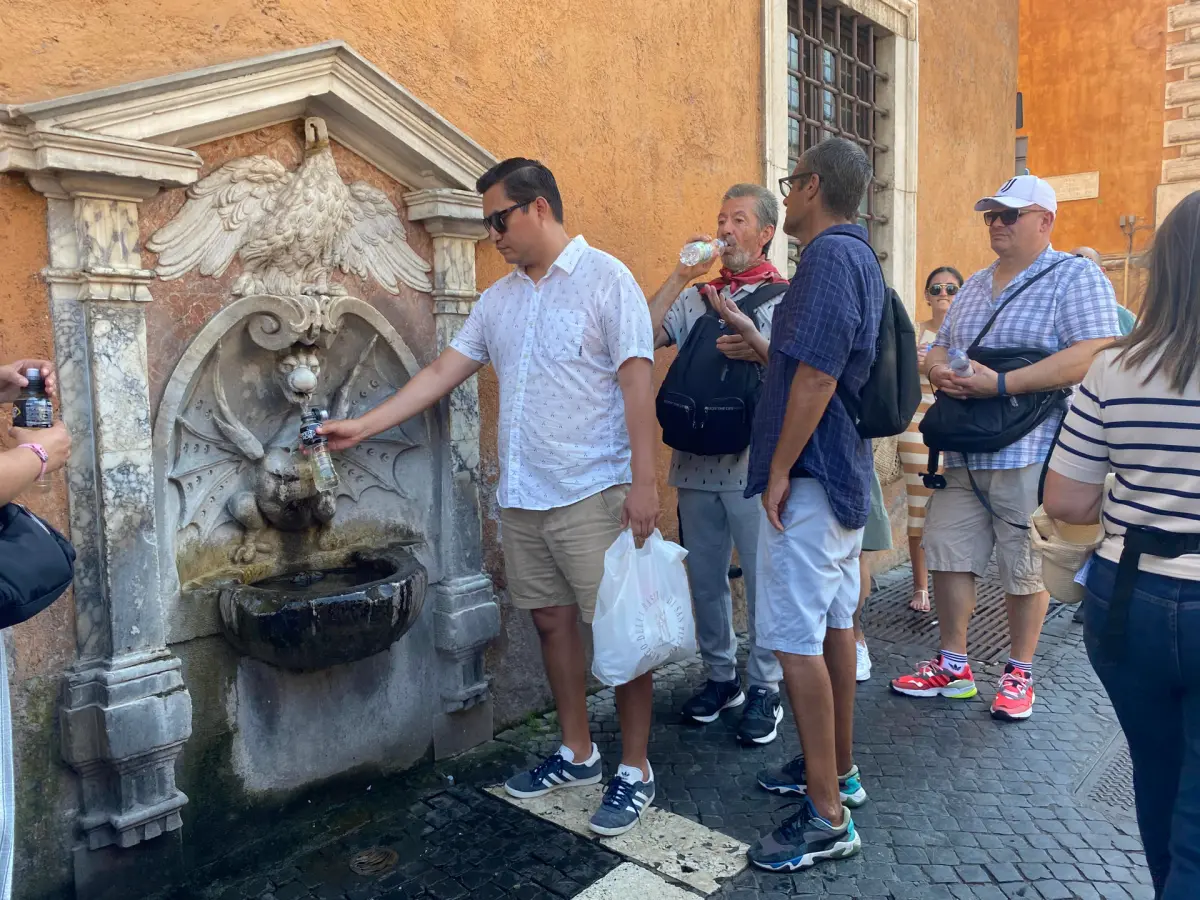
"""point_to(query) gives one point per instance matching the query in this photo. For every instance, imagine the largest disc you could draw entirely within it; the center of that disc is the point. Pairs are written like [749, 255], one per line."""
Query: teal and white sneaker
[789, 779]
[804, 840]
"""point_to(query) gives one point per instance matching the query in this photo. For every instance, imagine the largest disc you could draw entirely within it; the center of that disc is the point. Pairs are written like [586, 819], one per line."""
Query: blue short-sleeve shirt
[829, 320]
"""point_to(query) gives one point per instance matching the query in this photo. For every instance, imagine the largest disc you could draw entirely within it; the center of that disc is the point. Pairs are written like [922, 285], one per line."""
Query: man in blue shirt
[814, 474]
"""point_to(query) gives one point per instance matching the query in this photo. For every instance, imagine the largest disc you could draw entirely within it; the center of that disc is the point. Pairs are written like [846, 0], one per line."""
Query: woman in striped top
[940, 287]
[1138, 415]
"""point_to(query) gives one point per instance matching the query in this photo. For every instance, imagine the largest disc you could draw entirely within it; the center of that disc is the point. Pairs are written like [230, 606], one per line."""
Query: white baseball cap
[1019, 193]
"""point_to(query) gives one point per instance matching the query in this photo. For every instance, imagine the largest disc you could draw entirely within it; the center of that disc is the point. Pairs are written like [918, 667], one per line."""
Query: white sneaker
[863, 670]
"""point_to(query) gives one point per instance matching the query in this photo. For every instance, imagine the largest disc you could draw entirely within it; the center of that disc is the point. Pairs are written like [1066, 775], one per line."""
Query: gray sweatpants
[712, 522]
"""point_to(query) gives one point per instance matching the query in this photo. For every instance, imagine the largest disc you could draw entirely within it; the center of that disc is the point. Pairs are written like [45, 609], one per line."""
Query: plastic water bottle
[325, 477]
[701, 251]
[33, 409]
[960, 363]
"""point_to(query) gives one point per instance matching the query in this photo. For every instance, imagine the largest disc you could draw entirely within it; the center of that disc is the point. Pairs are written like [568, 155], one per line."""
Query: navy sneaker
[552, 773]
[789, 779]
[623, 805]
[804, 840]
[761, 718]
[714, 697]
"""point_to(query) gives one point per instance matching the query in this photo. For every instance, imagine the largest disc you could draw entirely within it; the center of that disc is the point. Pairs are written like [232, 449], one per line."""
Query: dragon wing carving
[371, 463]
[214, 452]
[223, 211]
[370, 240]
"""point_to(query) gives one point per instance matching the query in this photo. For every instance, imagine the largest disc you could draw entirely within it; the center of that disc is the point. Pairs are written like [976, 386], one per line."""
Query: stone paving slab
[672, 845]
[632, 881]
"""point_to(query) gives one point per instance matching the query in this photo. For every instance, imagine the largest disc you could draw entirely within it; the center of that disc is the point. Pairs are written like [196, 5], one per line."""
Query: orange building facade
[1117, 129]
[646, 112]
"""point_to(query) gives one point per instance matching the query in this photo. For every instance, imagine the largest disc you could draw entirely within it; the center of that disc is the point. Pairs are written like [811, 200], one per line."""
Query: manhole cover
[888, 618]
[375, 861]
[1108, 785]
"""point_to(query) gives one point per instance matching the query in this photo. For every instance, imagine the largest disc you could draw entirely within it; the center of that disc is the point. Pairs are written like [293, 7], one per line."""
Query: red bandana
[735, 281]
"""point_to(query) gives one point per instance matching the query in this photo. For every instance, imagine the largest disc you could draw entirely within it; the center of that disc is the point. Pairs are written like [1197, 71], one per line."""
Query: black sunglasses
[936, 290]
[1006, 216]
[498, 221]
[785, 184]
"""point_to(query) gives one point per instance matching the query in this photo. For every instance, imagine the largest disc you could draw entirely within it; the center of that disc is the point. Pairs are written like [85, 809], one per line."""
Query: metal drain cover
[1108, 784]
[374, 861]
[888, 618]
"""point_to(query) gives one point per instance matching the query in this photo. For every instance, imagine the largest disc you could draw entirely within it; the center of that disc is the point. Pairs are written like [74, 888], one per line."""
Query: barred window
[832, 85]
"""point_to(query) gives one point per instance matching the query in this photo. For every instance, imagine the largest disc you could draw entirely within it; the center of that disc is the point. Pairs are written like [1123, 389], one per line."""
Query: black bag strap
[1138, 540]
[848, 403]
[1013, 296]
[759, 298]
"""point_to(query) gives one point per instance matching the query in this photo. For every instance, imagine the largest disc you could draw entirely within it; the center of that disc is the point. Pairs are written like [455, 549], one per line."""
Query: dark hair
[524, 180]
[943, 270]
[1169, 326]
[845, 174]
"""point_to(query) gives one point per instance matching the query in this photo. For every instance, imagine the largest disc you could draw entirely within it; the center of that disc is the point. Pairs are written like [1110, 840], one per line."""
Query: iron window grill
[833, 83]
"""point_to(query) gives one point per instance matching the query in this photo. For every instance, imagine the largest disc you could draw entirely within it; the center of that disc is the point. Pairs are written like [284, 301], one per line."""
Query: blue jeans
[1155, 691]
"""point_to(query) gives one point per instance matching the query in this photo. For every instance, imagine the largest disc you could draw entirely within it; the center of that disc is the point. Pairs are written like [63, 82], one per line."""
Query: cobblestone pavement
[961, 806]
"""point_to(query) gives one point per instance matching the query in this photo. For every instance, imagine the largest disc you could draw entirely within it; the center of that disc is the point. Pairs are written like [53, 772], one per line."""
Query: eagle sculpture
[290, 229]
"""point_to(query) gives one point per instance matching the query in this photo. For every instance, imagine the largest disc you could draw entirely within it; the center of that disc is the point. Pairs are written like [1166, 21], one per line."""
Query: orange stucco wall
[1093, 75]
[968, 82]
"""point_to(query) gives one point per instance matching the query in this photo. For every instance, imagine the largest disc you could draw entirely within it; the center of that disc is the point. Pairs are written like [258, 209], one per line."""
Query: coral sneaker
[932, 680]
[1014, 700]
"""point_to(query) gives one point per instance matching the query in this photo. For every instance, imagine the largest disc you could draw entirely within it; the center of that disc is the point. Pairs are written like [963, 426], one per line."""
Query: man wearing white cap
[1070, 313]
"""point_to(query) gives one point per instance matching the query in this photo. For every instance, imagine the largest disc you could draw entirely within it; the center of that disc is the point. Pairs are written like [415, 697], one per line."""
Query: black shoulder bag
[989, 424]
[37, 564]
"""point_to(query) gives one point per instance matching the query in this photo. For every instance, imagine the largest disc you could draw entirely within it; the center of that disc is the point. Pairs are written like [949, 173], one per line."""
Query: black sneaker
[761, 718]
[714, 697]
[804, 840]
[790, 779]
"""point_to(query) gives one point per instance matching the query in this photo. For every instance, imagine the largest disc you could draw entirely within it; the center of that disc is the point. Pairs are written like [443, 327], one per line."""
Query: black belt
[1138, 540]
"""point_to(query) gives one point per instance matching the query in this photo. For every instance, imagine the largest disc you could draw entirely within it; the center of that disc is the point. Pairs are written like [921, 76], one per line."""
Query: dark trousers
[1155, 690]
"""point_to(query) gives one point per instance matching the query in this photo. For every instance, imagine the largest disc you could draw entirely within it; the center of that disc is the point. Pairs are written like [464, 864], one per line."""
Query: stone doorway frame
[126, 712]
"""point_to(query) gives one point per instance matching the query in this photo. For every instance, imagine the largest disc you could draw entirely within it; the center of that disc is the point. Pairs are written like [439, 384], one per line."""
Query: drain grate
[888, 618]
[1108, 785]
[374, 861]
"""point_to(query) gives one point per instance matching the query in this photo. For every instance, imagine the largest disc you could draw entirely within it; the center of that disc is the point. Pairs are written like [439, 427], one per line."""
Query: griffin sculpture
[290, 229]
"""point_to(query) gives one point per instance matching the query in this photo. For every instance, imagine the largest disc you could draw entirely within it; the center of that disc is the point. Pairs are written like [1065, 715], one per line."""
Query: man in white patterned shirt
[568, 333]
[1070, 313]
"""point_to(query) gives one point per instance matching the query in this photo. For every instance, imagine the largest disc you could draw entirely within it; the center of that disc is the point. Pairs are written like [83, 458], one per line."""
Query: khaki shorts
[960, 534]
[555, 557]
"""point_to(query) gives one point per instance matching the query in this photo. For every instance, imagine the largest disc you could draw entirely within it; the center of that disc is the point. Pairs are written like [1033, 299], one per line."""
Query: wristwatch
[41, 454]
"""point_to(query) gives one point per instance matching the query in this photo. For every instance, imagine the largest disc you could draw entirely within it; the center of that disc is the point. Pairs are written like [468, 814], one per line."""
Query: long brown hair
[1169, 326]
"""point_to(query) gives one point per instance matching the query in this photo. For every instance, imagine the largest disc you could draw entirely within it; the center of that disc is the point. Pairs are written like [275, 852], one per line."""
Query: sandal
[919, 601]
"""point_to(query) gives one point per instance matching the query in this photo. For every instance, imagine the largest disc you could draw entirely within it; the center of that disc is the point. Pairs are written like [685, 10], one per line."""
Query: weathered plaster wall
[968, 86]
[1093, 75]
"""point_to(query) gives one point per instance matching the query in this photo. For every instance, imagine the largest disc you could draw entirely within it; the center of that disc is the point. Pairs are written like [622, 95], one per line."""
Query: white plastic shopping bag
[643, 609]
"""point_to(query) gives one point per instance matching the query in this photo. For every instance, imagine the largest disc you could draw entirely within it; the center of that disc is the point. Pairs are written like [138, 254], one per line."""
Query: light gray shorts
[807, 574]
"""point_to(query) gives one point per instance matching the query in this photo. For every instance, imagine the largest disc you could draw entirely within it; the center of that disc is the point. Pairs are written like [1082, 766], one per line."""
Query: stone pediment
[141, 129]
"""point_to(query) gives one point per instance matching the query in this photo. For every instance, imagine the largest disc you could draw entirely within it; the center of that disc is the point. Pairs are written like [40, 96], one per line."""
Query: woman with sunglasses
[940, 288]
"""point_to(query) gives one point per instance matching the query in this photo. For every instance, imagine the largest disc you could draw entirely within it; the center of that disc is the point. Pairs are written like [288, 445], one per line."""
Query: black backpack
[892, 393]
[706, 402]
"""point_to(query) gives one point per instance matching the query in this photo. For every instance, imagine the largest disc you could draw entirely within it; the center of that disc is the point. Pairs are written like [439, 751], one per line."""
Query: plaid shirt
[829, 320]
[1073, 303]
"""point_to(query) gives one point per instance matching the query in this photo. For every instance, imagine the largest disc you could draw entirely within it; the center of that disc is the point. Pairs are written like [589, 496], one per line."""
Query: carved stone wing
[214, 453]
[370, 240]
[373, 462]
[223, 210]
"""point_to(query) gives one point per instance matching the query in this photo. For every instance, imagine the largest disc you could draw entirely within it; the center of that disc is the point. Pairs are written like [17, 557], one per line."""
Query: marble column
[465, 610]
[126, 713]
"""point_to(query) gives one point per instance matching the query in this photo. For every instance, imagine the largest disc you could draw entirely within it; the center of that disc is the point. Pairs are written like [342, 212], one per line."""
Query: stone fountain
[240, 635]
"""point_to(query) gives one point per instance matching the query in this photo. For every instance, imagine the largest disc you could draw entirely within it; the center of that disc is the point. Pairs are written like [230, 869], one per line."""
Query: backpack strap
[1017, 293]
[848, 403]
[750, 306]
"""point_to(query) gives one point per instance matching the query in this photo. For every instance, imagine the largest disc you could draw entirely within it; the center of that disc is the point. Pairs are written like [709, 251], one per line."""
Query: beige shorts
[555, 557]
[960, 534]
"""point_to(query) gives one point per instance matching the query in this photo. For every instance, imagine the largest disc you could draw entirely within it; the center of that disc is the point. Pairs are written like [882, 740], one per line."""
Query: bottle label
[309, 436]
[33, 412]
